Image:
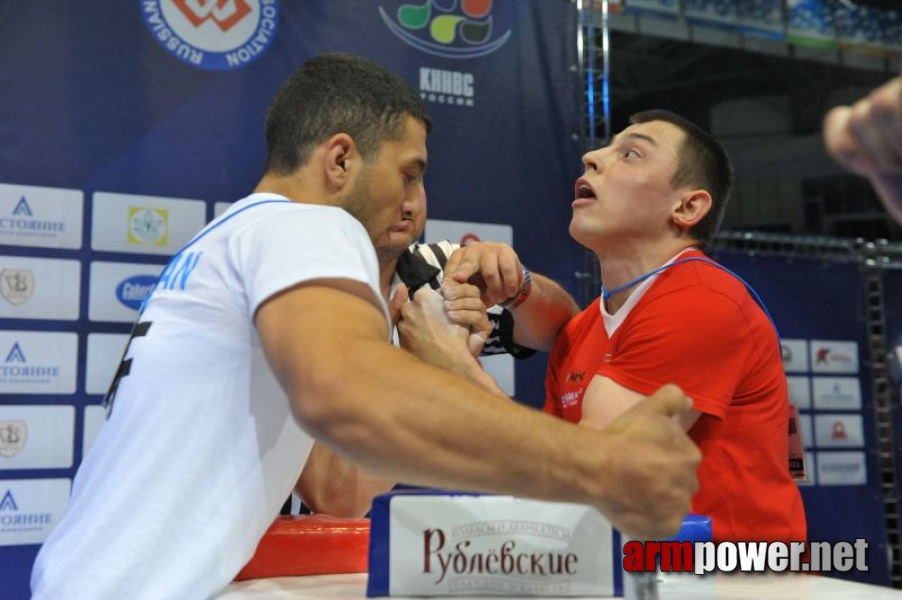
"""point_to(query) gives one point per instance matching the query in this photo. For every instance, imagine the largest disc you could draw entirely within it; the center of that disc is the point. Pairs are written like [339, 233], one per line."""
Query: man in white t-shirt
[269, 329]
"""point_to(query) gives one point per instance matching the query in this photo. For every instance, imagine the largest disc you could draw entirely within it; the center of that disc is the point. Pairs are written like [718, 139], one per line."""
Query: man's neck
[618, 270]
[297, 187]
[387, 267]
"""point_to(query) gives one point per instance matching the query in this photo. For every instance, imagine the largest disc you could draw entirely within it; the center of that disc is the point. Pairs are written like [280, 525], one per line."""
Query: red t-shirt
[698, 326]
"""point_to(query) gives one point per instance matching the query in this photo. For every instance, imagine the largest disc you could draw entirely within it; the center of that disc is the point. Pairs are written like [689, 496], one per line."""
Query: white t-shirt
[201, 448]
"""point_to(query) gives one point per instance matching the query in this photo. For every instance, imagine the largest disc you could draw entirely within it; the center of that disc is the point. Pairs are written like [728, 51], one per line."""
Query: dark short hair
[703, 162]
[337, 93]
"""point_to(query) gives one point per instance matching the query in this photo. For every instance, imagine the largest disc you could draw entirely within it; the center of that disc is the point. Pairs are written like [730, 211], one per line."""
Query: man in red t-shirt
[668, 314]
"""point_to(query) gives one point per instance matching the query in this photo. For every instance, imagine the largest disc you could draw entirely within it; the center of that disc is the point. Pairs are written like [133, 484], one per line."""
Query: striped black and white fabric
[422, 264]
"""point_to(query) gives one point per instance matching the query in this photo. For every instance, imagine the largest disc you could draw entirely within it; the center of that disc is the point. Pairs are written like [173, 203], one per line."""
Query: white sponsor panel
[500, 367]
[841, 468]
[30, 509]
[35, 362]
[117, 290]
[464, 232]
[810, 468]
[795, 355]
[144, 224]
[41, 217]
[799, 388]
[36, 437]
[104, 355]
[95, 417]
[837, 393]
[220, 207]
[425, 533]
[832, 356]
[838, 431]
[39, 288]
[806, 424]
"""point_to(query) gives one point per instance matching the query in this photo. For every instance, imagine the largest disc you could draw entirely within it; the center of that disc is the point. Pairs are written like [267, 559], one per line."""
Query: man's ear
[339, 159]
[691, 208]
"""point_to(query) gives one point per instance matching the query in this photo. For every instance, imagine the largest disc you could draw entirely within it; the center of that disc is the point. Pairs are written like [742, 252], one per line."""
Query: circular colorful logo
[448, 28]
[216, 35]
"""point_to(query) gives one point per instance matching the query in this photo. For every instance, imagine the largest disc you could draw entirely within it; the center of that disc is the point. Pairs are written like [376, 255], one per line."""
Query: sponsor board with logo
[835, 430]
[213, 35]
[144, 224]
[37, 362]
[30, 509]
[42, 217]
[841, 468]
[104, 355]
[118, 289]
[459, 545]
[806, 422]
[799, 388]
[795, 355]
[95, 417]
[811, 471]
[36, 437]
[500, 366]
[833, 356]
[837, 393]
[39, 288]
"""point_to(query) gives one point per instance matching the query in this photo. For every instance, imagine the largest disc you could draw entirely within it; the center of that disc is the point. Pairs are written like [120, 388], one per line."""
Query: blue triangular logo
[8, 502]
[16, 354]
[22, 208]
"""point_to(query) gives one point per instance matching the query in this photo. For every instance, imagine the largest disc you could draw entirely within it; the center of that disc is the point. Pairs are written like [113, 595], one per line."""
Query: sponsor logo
[131, 292]
[215, 35]
[21, 222]
[827, 356]
[16, 285]
[447, 87]
[22, 209]
[570, 399]
[13, 521]
[8, 502]
[787, 352]
[12, 437]
[446, 28]
[16, 355]
[148, 226]
[528, 571]
[16, 369]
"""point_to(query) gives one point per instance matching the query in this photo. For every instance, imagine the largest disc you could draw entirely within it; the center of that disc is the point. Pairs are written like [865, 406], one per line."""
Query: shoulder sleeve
[288, 247]
[694, 337]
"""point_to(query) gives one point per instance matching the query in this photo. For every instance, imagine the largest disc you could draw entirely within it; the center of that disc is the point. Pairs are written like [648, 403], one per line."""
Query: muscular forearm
[331, 485]
[442, 431]
[540, 318]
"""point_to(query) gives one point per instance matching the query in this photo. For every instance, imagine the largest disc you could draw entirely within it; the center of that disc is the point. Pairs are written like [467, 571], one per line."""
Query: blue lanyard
[605, 294]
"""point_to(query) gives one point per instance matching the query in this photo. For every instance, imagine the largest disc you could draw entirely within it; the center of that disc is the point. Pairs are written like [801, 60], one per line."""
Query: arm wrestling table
[670, 587]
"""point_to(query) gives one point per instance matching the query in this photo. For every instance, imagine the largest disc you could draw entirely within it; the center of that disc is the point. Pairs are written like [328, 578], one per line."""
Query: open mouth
[584, 190]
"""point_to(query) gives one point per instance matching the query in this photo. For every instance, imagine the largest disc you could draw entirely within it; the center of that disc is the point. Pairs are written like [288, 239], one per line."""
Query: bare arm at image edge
[866, 138]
